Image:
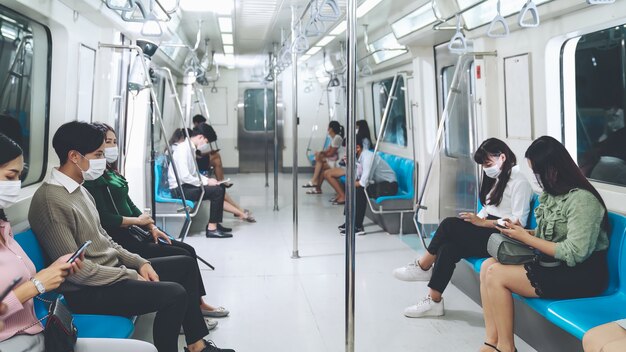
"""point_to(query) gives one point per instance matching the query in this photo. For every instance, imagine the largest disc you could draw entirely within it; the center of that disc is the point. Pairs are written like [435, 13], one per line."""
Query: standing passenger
[571, 235]
[505, 193]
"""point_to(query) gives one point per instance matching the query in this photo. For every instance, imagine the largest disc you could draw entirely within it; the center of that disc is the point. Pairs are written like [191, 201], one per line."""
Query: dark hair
[359, 141]
[205, 130]
[364, 130]
[336, 127]
[198, 119]
[179, 135]
[9, 150]
[557, 172]
[80, 136]
[493, 147]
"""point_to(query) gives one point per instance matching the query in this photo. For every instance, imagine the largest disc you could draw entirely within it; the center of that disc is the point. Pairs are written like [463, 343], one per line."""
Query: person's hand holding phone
[212, 182]
[514, 231]
[472, 218]
[53, 276]
[144, 220]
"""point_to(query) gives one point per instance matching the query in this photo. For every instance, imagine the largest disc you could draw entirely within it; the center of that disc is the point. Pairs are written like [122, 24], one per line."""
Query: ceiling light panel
[220, 7]
[324, 41]
[414, 21]
[229, 49]
[226, 24]
[227, 39]
[485, 12]
[366, 7]
[341, 27]
[314, 50]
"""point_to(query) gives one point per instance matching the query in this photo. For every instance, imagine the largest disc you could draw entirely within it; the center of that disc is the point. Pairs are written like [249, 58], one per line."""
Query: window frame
[48, 87]
[378, 119]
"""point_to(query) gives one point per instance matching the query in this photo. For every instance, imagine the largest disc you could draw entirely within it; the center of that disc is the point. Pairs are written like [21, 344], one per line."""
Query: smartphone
[79, 251]
[500, 223]
[12, 286]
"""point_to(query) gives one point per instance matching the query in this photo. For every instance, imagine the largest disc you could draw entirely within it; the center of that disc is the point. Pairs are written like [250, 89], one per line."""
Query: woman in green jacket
[118, 212]
[571, 236]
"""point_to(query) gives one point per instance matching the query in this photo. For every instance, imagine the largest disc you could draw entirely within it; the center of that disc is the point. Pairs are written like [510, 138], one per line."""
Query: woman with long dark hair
[118, 212]
[571, 236]
[327, 158]
[505, 194]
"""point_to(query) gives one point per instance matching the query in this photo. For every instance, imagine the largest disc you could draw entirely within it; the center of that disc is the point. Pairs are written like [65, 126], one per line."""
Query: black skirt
[587, 279]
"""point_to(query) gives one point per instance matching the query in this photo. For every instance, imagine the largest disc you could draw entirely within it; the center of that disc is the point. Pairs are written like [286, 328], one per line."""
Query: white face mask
[495, 170]
[111, 154]
[96, 169]
[9, 192]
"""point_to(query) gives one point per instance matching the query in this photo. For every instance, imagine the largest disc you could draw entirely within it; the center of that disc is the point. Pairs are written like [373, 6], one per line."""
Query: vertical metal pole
[350, 172]
[275, 131]
[265, 135]
[294, 111]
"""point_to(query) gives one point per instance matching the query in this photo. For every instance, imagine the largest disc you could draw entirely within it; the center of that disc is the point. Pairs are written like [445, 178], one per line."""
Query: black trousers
[455, 239]
[375, 190]
[174, 299]
[149, 250]
[213, 193]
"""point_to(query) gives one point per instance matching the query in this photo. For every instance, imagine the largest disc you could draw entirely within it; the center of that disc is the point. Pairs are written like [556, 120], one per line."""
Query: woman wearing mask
[326, 159]
[117, 212]
[504, 192]
[571, 236]
[23, 331]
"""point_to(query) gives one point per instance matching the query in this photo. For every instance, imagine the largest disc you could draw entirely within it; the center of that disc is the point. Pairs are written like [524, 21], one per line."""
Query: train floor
[282, 304]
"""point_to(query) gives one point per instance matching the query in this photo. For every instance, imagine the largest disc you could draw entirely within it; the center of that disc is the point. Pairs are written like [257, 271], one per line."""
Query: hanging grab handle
[334, 14]
[529, 7]
[314, 28]
[491, 33]
[458, 43]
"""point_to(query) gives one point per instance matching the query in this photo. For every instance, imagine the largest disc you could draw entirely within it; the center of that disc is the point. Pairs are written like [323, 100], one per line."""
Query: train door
[252, 138]
[458, 183]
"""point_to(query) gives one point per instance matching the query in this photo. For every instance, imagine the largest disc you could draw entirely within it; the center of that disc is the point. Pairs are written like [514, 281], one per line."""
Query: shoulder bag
[60, 333]
[509, 251]
[134, 231]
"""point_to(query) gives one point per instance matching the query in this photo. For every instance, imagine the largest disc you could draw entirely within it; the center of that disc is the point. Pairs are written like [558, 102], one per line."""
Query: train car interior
[302, 152]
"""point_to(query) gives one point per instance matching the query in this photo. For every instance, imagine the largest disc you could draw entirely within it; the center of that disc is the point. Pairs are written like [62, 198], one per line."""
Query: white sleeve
[367, 159]
[184, 165]
[520, 201]
[336, 142]
[483, 213]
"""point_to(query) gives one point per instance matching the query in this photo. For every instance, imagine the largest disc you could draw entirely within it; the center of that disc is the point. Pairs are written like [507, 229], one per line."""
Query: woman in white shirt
[504, 192]
[326, 159]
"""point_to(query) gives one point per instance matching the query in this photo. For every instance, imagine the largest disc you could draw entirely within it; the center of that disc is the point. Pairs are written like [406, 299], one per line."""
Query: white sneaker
[425, 308]
[413, 272]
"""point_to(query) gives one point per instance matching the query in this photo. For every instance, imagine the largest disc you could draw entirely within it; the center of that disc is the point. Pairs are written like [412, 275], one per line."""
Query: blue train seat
[576, 316]
[162, 192]
[531, 223]
[404, 173]
[88, 325]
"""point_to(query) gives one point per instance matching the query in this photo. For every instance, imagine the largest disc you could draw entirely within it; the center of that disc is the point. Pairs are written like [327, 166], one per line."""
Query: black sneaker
[217, 234]
[210, 347]
[224, 228]
[359, 231]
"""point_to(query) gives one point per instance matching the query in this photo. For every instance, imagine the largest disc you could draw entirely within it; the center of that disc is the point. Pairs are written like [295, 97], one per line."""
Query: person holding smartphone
[504, 192]
[117, 212]
[22, 330]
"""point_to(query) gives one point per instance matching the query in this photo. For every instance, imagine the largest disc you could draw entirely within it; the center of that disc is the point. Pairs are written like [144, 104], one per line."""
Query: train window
[457, 140]
[254, 103]
[600, 99]
[395, 132]
[25, 88]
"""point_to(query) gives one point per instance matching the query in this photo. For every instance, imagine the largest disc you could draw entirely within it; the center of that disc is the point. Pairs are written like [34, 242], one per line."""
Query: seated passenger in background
[332, 175]
[571, 236]
[609, 337]
[112, 280]
[326, 159]
[377, 176]
[505, 193]
[208, 157]
[118, 212]
[23, 330]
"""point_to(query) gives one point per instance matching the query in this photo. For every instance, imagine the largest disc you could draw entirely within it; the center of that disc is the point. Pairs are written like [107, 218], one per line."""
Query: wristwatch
[39, 286]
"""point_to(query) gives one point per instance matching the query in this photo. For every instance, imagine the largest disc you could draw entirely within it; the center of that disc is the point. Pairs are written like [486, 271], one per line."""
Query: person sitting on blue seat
[113, 281]
[23, 331]
[327, 158]
[118, 213]
[571, 236]
[373, 173]
[505, 193]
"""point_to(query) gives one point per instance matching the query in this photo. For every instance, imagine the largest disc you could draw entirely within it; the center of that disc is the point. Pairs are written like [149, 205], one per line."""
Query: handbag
[509, 251]
[134, 231]
[60, 333]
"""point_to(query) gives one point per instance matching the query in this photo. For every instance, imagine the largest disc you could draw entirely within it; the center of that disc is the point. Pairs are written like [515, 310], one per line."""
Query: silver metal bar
[351, 40]
[461, 66]
[275, 137]
[156, 115]
[294, 111]
[265, 106]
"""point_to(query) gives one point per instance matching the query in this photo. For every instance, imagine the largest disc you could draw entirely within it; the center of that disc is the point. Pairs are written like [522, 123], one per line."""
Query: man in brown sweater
[113, 281]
